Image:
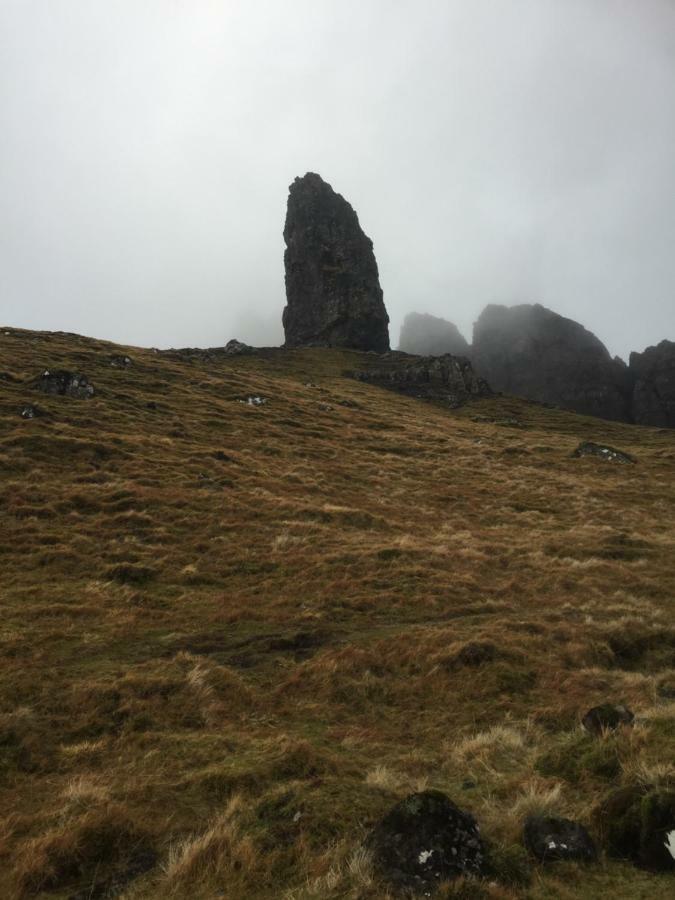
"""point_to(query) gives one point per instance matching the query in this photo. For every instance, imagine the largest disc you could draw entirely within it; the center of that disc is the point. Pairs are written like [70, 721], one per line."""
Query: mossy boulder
[638, 823]
[426, 839]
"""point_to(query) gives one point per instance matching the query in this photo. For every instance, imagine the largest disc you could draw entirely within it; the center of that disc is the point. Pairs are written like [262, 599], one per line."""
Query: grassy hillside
[232, 635]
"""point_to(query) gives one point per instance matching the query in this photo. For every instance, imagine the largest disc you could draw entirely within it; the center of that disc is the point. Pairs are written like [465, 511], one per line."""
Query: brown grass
[232, 636]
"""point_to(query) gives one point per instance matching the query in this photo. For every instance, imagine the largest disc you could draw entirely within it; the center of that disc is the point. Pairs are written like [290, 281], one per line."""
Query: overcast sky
[495, 150]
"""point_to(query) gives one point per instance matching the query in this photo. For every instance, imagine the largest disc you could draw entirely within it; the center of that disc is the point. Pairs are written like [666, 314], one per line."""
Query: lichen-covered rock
[551, 838]
[533, 352]
[333, 290]
[607, 717]
[653, 372]
[426, 839]
[427, 335]
[603, 451]
[448, 379]
[638, 823]
[69, 384]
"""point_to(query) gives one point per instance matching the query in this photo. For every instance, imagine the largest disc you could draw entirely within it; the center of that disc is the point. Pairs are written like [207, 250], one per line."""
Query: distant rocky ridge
[533, 352]
[427, 335]
[333, 293]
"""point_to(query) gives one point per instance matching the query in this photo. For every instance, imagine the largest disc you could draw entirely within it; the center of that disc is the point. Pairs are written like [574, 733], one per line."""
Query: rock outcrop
[653, 372]
[427, 335]
[66, 384]
[533, 352]
[333, 291]
[447, 379]
[602, 451]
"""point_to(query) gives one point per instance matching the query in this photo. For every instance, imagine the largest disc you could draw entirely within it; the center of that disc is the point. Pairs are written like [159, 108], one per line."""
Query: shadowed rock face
[333, 291]
[654, 389]
[427, 335]
[535, 353]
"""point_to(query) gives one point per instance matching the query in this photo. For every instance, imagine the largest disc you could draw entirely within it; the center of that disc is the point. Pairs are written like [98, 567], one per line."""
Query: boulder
[448, 379]
[69, 384]
[333, 291]
[607, 717]
[426, 335]
[638, 823]
[535, 353]
[603, 451]
[235, 347]
[653, 372]
[550, 838]
[426, 839]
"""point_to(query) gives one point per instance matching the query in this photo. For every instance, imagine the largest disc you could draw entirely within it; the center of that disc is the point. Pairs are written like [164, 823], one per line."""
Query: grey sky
[495, 151]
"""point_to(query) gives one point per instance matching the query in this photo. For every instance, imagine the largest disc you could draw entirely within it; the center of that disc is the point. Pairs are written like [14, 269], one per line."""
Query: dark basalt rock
[654, 392]
[607, 717]
[533, 352]
[550, 838]
[603, 451]
[64, 383]
[333, 291]
[427, 335]
[426, 839]
[638, 823]
[448, 379]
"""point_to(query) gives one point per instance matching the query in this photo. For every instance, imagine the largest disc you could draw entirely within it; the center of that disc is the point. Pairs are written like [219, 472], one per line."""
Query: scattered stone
[638, 823]
[221, 456]
[120, 362]
[447, 379]
[235, 347]
[151, 404]
[325, 407]
[31, 412]
[653, 371]
[606, 717]
[533, 352]
[550, 838]
[333, 292]
[254, 401]
[426, 335]
[64, 383]
[589, 448]
[426, 839]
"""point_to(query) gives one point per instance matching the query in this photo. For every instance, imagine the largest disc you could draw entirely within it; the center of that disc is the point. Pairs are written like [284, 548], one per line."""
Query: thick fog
[495, 150]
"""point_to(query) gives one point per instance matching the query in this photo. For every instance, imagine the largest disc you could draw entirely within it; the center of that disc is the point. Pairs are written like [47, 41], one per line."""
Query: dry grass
[233, 636]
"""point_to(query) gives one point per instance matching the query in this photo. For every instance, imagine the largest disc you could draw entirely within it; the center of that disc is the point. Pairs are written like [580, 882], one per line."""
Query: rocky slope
[256, 614]
[333, 291]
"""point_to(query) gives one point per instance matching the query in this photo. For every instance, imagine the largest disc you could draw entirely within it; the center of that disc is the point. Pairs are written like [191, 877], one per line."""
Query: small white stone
[551, 845]
[669, 843]
[424, 856]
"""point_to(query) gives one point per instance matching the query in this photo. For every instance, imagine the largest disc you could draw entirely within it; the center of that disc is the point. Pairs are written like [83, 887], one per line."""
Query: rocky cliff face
[333, 291]
[533, 352]
[653, 372]
[446, 379]
[428, 335]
